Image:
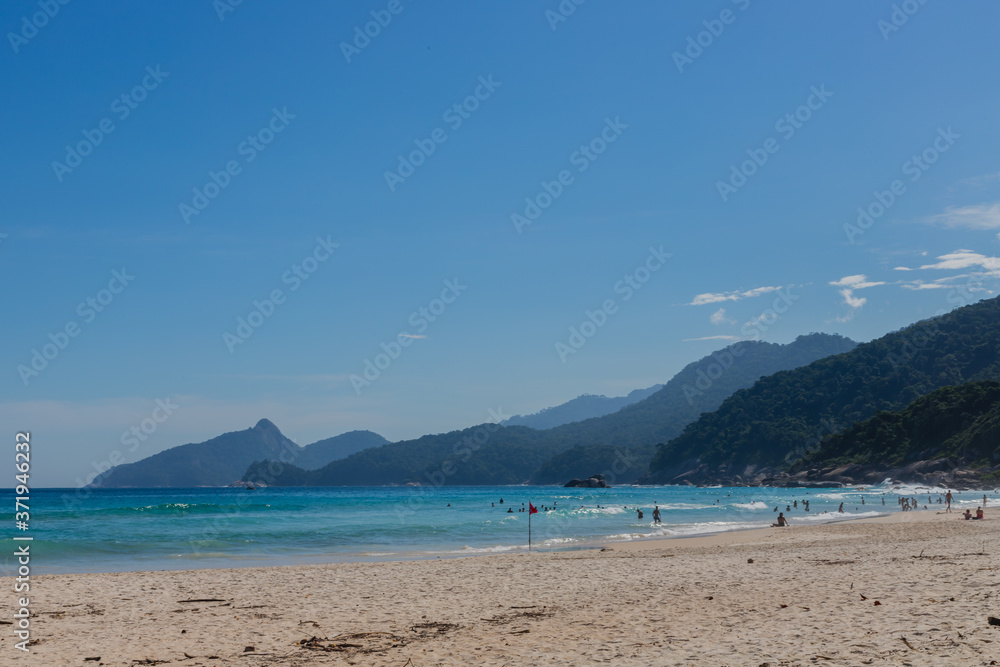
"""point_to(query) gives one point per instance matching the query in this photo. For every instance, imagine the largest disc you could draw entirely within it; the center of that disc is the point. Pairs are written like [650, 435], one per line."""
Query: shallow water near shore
[117, 530]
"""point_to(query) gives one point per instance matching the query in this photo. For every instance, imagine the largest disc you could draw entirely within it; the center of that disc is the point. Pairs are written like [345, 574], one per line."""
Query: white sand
[675, 602]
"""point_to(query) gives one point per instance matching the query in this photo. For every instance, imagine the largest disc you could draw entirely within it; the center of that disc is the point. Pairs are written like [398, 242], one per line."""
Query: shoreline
[245, 561]
[714, 539]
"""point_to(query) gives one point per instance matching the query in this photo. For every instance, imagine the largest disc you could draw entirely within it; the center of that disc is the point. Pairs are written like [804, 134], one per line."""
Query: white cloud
[851, 300]
[859, 281]
[719, 318]
[964, 259]
[978, 216]
[713, 338]
[957, 260]
[717, 297]
[973, 283]
[850, 284]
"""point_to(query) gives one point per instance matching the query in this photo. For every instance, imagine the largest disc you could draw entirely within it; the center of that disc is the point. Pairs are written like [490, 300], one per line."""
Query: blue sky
[683, 191]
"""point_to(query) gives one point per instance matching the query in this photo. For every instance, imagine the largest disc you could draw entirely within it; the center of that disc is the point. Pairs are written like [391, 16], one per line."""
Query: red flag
[532, 509]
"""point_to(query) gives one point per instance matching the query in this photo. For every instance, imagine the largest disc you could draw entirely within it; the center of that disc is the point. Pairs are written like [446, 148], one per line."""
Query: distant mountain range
[760, 432]
[585, 406]
[618, 445]
[628, 438]
[919, 404]
[222, 460]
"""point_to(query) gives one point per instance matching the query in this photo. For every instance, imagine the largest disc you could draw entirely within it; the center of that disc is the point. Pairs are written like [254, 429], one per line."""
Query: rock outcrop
[592, 482]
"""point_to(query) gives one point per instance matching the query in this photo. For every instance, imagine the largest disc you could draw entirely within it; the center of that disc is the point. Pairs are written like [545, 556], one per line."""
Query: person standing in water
[656, 514]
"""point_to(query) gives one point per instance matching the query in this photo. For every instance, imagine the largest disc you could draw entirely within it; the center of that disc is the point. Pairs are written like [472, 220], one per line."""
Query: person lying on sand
[782, 521]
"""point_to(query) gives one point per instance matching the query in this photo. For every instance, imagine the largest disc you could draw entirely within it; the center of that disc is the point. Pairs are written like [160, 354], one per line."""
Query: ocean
[117, 530]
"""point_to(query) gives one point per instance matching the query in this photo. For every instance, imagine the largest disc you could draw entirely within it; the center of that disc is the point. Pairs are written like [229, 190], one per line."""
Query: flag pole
[529, 524]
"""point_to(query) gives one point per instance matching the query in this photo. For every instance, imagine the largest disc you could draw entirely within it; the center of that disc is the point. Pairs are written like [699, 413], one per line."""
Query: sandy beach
[913, 588]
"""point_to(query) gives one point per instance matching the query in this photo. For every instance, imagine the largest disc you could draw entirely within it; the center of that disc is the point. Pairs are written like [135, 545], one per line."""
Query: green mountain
[950, 437]
[621, 445]
[618, 445]
[783, 417]
[223, 460]
[485, 454]
[582, 407]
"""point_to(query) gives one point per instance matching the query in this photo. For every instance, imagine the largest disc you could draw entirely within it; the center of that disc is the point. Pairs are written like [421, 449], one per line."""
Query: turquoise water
[151, 529]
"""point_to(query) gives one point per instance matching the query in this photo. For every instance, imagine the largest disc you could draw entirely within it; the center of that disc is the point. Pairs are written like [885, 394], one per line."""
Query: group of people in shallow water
[522, 508]
[782, 522]
[905, 504]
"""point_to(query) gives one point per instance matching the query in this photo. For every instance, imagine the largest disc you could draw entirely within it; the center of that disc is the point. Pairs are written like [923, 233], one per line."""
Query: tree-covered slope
[632, 433]
[783, 417]
[485, 454]
[958, 423]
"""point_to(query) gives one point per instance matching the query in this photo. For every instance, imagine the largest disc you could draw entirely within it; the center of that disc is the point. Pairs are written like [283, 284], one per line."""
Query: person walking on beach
[947, 499]
[656, 514]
